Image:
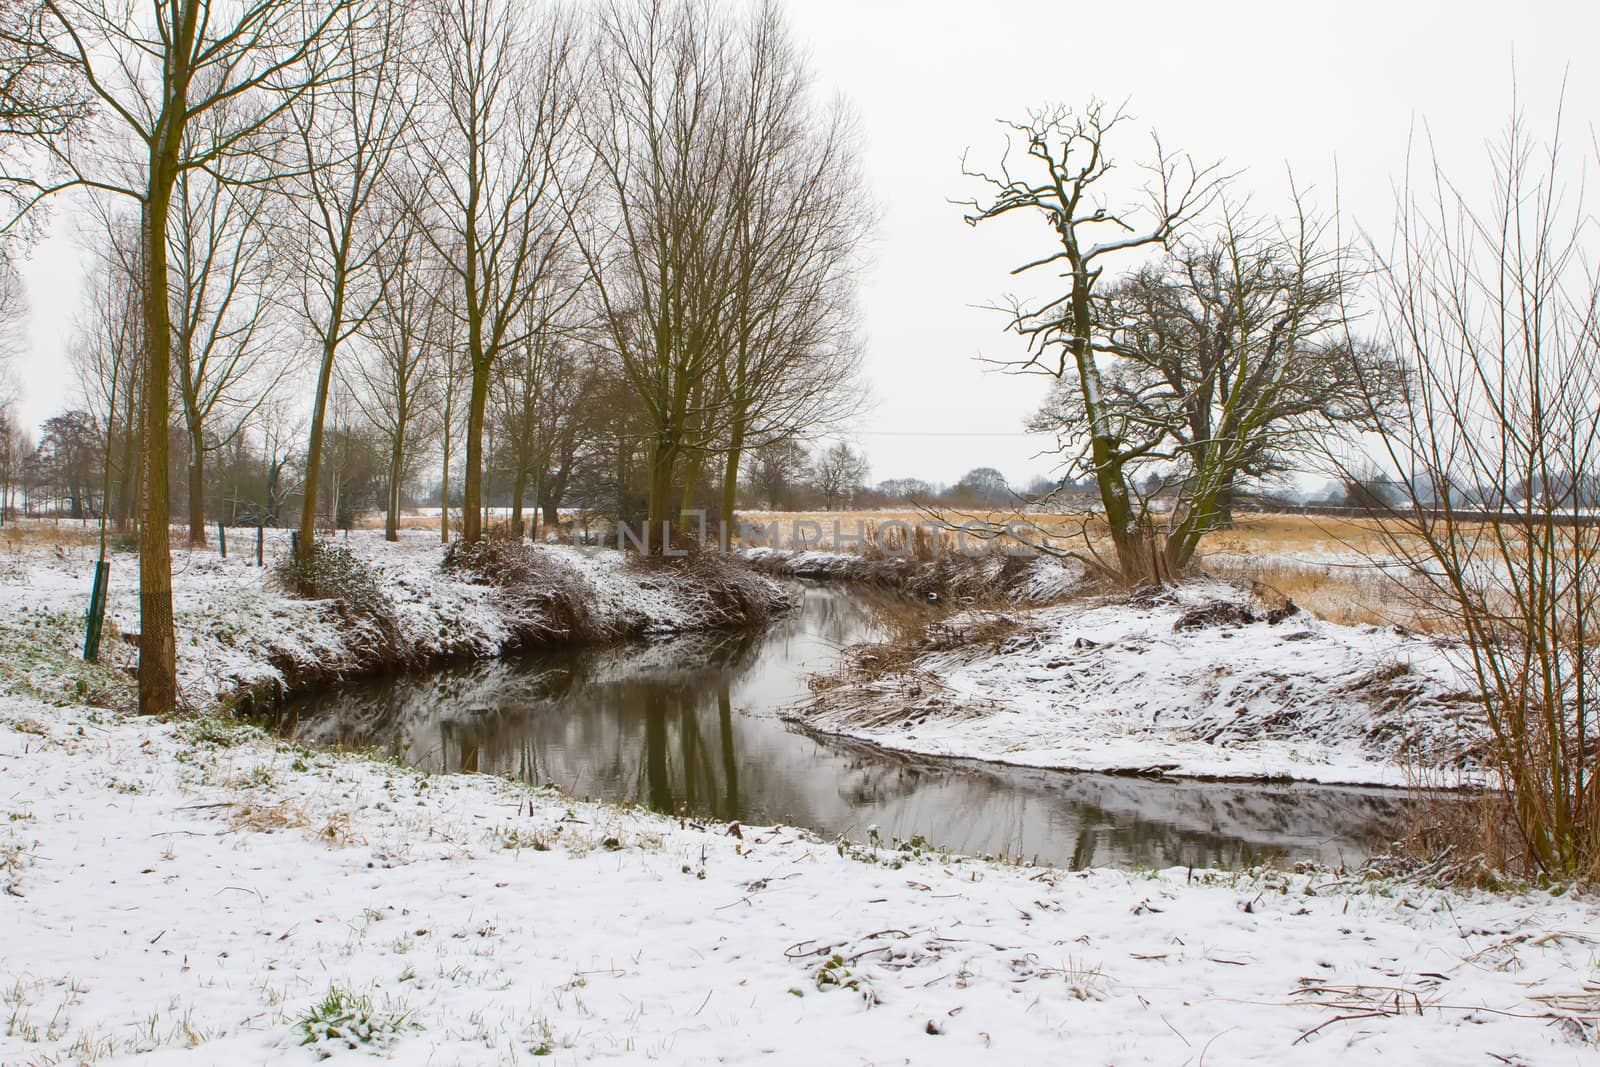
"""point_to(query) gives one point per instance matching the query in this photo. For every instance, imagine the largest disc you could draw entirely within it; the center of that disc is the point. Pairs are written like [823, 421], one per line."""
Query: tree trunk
[659, 518]
[319, 406]
[472, 488]
[391, 518]
[730, 479]
[519, 485]
[691, 481]
[158, 657]
[444, 467]
[197, 493]
[1136, 560]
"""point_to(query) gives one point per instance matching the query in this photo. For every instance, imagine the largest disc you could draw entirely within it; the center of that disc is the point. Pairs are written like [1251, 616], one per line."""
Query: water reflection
[690, 725]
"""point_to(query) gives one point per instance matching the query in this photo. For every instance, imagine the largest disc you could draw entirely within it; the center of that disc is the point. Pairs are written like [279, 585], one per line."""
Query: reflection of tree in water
[654, 722]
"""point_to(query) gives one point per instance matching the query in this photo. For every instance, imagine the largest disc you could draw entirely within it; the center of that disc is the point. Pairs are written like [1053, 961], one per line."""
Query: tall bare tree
[351, 131]
[656, 239]
[152, 69]
[223, 321]
[499, 151]
[1061, 181]
[799, 213]
[399, 382]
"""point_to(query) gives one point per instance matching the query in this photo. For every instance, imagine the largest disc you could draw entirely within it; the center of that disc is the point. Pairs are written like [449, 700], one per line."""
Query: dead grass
[291, 814]
[1326, 565]
[18, 536]
[1456, 839]
[913, 629]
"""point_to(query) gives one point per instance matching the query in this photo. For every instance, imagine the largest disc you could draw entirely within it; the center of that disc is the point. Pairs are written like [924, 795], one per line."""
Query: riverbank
[242, 638]
[1205, 680]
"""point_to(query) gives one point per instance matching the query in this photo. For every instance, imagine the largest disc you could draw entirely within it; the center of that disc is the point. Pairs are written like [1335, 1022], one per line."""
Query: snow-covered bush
[544, 595]
[335, 573]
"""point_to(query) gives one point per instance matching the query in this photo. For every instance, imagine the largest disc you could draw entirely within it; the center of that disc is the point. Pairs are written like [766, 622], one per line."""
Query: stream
[691, 725]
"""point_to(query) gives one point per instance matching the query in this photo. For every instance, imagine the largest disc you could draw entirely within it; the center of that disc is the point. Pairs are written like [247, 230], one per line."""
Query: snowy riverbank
[190, 892]
[239, 633]
[1199, 682]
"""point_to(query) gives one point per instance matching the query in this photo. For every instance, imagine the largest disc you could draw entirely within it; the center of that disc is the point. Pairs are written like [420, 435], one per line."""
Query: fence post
[294, 543]
[260, 536]
[97, 613]
[222, 539]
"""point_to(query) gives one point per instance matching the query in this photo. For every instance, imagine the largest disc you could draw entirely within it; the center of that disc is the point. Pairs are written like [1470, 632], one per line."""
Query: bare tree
[13, 313]
[152, 72]
[280, 430]
[656, 236]
[222, 318]
[350, 133]
[798, 214]
[839, 473]
[14, 448]
[776, 470]
[499, 151]
[527, 379]
[400, 380]
[109, 359]
[1067, 163]
[1494, 304]
[1228, 359]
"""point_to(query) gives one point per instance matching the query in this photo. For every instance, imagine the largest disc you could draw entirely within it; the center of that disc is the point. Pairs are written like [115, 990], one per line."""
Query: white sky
[1261, 84]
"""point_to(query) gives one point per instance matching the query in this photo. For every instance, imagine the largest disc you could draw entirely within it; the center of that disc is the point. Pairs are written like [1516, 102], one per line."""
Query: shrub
[335, 573]
[545, 596]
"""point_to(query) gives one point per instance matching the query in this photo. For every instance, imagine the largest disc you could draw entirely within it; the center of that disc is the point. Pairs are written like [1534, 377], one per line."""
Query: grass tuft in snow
[342, 1021]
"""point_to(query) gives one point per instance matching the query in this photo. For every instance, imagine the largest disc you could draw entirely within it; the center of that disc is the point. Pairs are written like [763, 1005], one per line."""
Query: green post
[97, 613]
[222, 539]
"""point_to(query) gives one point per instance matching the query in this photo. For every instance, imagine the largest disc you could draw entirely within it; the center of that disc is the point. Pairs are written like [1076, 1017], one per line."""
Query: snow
[237, 630]
[191, 890]
[186, 892]
[1111, 686]
[1033, 579]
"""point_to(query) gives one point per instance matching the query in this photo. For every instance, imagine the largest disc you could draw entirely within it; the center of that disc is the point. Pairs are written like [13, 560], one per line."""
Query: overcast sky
[1262, 85]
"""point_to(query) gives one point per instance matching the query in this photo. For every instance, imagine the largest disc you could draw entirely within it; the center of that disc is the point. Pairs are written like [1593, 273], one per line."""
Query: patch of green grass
[41, 656]
[343, 1020]
[835, 973]
[217, 732]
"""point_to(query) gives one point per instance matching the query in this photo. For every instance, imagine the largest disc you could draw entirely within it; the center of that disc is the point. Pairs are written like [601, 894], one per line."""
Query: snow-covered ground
[190, 892]
[1115, 686]
[236, 630]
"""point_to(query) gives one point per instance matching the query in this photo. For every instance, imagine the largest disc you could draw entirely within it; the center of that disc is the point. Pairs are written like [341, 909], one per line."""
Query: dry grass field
[1333, 567]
